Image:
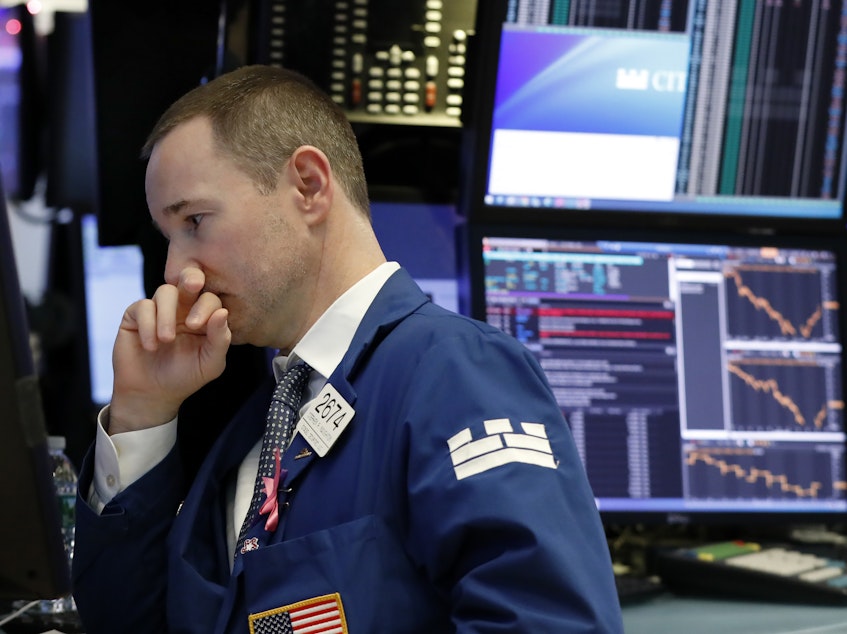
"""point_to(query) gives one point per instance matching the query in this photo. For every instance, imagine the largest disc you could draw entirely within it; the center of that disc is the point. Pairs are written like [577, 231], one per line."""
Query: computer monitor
[709, 112]
[113, 279]
[702, 374]
[21, 120]
[422, 238]
[33, 563]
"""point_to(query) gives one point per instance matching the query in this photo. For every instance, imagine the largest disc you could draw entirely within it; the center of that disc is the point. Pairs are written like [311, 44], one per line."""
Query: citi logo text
[643, 79]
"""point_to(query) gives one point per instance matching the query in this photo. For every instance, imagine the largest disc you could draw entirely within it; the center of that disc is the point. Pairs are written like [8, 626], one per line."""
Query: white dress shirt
[121, 459]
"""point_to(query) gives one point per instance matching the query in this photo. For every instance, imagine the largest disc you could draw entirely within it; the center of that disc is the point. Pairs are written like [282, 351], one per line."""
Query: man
[432, 484]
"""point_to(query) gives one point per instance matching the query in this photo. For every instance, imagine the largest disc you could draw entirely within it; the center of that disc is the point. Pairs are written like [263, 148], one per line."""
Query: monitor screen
[114, 279]
[421, 237]
[702, 378]
[21, 103]
[10, 98]
[704, 109]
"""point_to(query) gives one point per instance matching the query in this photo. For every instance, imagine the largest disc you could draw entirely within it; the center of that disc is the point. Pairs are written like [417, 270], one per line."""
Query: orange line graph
[753, 474]
[761, 303]
[771, 386]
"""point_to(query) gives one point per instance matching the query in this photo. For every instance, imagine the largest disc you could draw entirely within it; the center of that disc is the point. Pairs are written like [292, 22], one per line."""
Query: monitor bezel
[476, 146]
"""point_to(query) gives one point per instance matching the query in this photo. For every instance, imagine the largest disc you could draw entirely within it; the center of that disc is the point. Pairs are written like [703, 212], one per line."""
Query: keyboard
[742, 569]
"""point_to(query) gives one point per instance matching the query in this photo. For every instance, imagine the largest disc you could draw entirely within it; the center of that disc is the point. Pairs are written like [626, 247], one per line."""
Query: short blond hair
[260, 115]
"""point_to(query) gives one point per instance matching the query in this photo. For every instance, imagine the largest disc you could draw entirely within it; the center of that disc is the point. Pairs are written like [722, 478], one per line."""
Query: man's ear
[311, 176]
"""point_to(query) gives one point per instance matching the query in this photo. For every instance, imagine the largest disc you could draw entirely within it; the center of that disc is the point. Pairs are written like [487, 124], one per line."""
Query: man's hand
[167, 348]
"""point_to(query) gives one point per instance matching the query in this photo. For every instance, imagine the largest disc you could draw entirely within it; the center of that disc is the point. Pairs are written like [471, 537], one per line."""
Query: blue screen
[703, 108]
[10, 62]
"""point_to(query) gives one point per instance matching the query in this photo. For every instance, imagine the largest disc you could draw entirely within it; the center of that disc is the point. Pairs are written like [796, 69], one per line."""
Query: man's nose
[176, 262]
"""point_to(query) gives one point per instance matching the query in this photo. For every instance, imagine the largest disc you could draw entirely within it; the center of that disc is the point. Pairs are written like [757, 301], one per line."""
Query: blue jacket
[455, 501]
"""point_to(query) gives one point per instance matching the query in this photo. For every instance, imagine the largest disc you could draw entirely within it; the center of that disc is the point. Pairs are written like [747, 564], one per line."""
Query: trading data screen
[695, 377]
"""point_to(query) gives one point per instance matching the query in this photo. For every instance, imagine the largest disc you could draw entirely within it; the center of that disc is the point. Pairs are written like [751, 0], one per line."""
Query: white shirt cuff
[121, 459]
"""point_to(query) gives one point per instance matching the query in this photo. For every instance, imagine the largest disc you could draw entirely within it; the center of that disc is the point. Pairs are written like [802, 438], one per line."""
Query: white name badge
[325, 418]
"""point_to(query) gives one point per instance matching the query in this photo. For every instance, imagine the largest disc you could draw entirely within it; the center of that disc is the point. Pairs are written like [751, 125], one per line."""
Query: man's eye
[195, 219]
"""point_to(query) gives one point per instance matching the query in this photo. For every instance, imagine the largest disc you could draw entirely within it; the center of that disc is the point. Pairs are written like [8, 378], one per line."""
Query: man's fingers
[191, 281]
[218, 338]
[166, 300]
[202, 311]
[184, 307]
[217, 329]
[189, 286]
[141, 317]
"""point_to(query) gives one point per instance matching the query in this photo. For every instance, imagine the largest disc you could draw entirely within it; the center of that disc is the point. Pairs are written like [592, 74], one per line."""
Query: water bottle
[65, 481]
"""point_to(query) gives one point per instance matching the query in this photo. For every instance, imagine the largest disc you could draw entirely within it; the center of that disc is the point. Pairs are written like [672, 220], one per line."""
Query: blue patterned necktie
[282, 414]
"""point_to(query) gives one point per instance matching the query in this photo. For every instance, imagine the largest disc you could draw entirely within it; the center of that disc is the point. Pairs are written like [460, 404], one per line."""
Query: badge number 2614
[325, 418]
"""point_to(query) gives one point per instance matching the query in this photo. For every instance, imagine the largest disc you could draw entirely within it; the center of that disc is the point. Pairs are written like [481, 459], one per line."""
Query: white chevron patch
[501, 445]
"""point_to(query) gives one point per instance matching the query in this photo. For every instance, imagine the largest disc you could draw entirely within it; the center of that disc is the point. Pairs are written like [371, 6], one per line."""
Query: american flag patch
[321, 615]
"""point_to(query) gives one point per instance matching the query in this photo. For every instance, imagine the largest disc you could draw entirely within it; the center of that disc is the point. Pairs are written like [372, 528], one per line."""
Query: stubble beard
[266, 312]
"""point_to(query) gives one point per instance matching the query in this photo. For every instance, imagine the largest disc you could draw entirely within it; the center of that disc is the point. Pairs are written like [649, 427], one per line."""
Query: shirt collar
[327, 341]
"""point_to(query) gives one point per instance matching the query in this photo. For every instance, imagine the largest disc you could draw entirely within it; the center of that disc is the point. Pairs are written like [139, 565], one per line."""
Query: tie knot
[289, 388]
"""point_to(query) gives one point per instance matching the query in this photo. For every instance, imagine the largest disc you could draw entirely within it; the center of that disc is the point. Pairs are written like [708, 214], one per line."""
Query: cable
[11, 617]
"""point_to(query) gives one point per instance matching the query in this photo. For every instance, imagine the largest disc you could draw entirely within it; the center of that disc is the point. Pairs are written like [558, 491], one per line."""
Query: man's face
[250, 246]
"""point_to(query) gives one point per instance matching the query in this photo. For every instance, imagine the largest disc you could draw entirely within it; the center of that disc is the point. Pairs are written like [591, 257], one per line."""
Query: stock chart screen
[695, 377]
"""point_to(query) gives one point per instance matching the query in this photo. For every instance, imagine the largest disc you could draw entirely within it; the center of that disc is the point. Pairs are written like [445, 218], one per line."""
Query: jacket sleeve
[119, 563]
[502, 516]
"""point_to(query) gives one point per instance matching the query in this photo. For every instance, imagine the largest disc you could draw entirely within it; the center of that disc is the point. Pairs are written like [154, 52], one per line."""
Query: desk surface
[669, 614]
